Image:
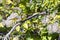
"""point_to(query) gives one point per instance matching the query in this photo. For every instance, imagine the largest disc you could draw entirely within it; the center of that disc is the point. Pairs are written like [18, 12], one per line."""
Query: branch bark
[20, 22]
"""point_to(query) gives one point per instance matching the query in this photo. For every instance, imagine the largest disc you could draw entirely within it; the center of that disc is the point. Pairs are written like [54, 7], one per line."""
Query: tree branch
[20, 22]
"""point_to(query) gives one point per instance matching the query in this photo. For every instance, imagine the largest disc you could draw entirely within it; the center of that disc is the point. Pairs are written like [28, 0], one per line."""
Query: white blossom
[45, 19]
[1, 1]
[55, 27]
[52, 28]
[8, 23]
[13, 15]
[49, 28]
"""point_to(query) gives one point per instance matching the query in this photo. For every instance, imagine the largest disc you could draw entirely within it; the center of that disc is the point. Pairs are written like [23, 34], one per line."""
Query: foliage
[42, 27]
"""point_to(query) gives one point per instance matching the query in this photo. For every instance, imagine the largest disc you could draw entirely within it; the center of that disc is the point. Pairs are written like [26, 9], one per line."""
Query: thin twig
[11, 30]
